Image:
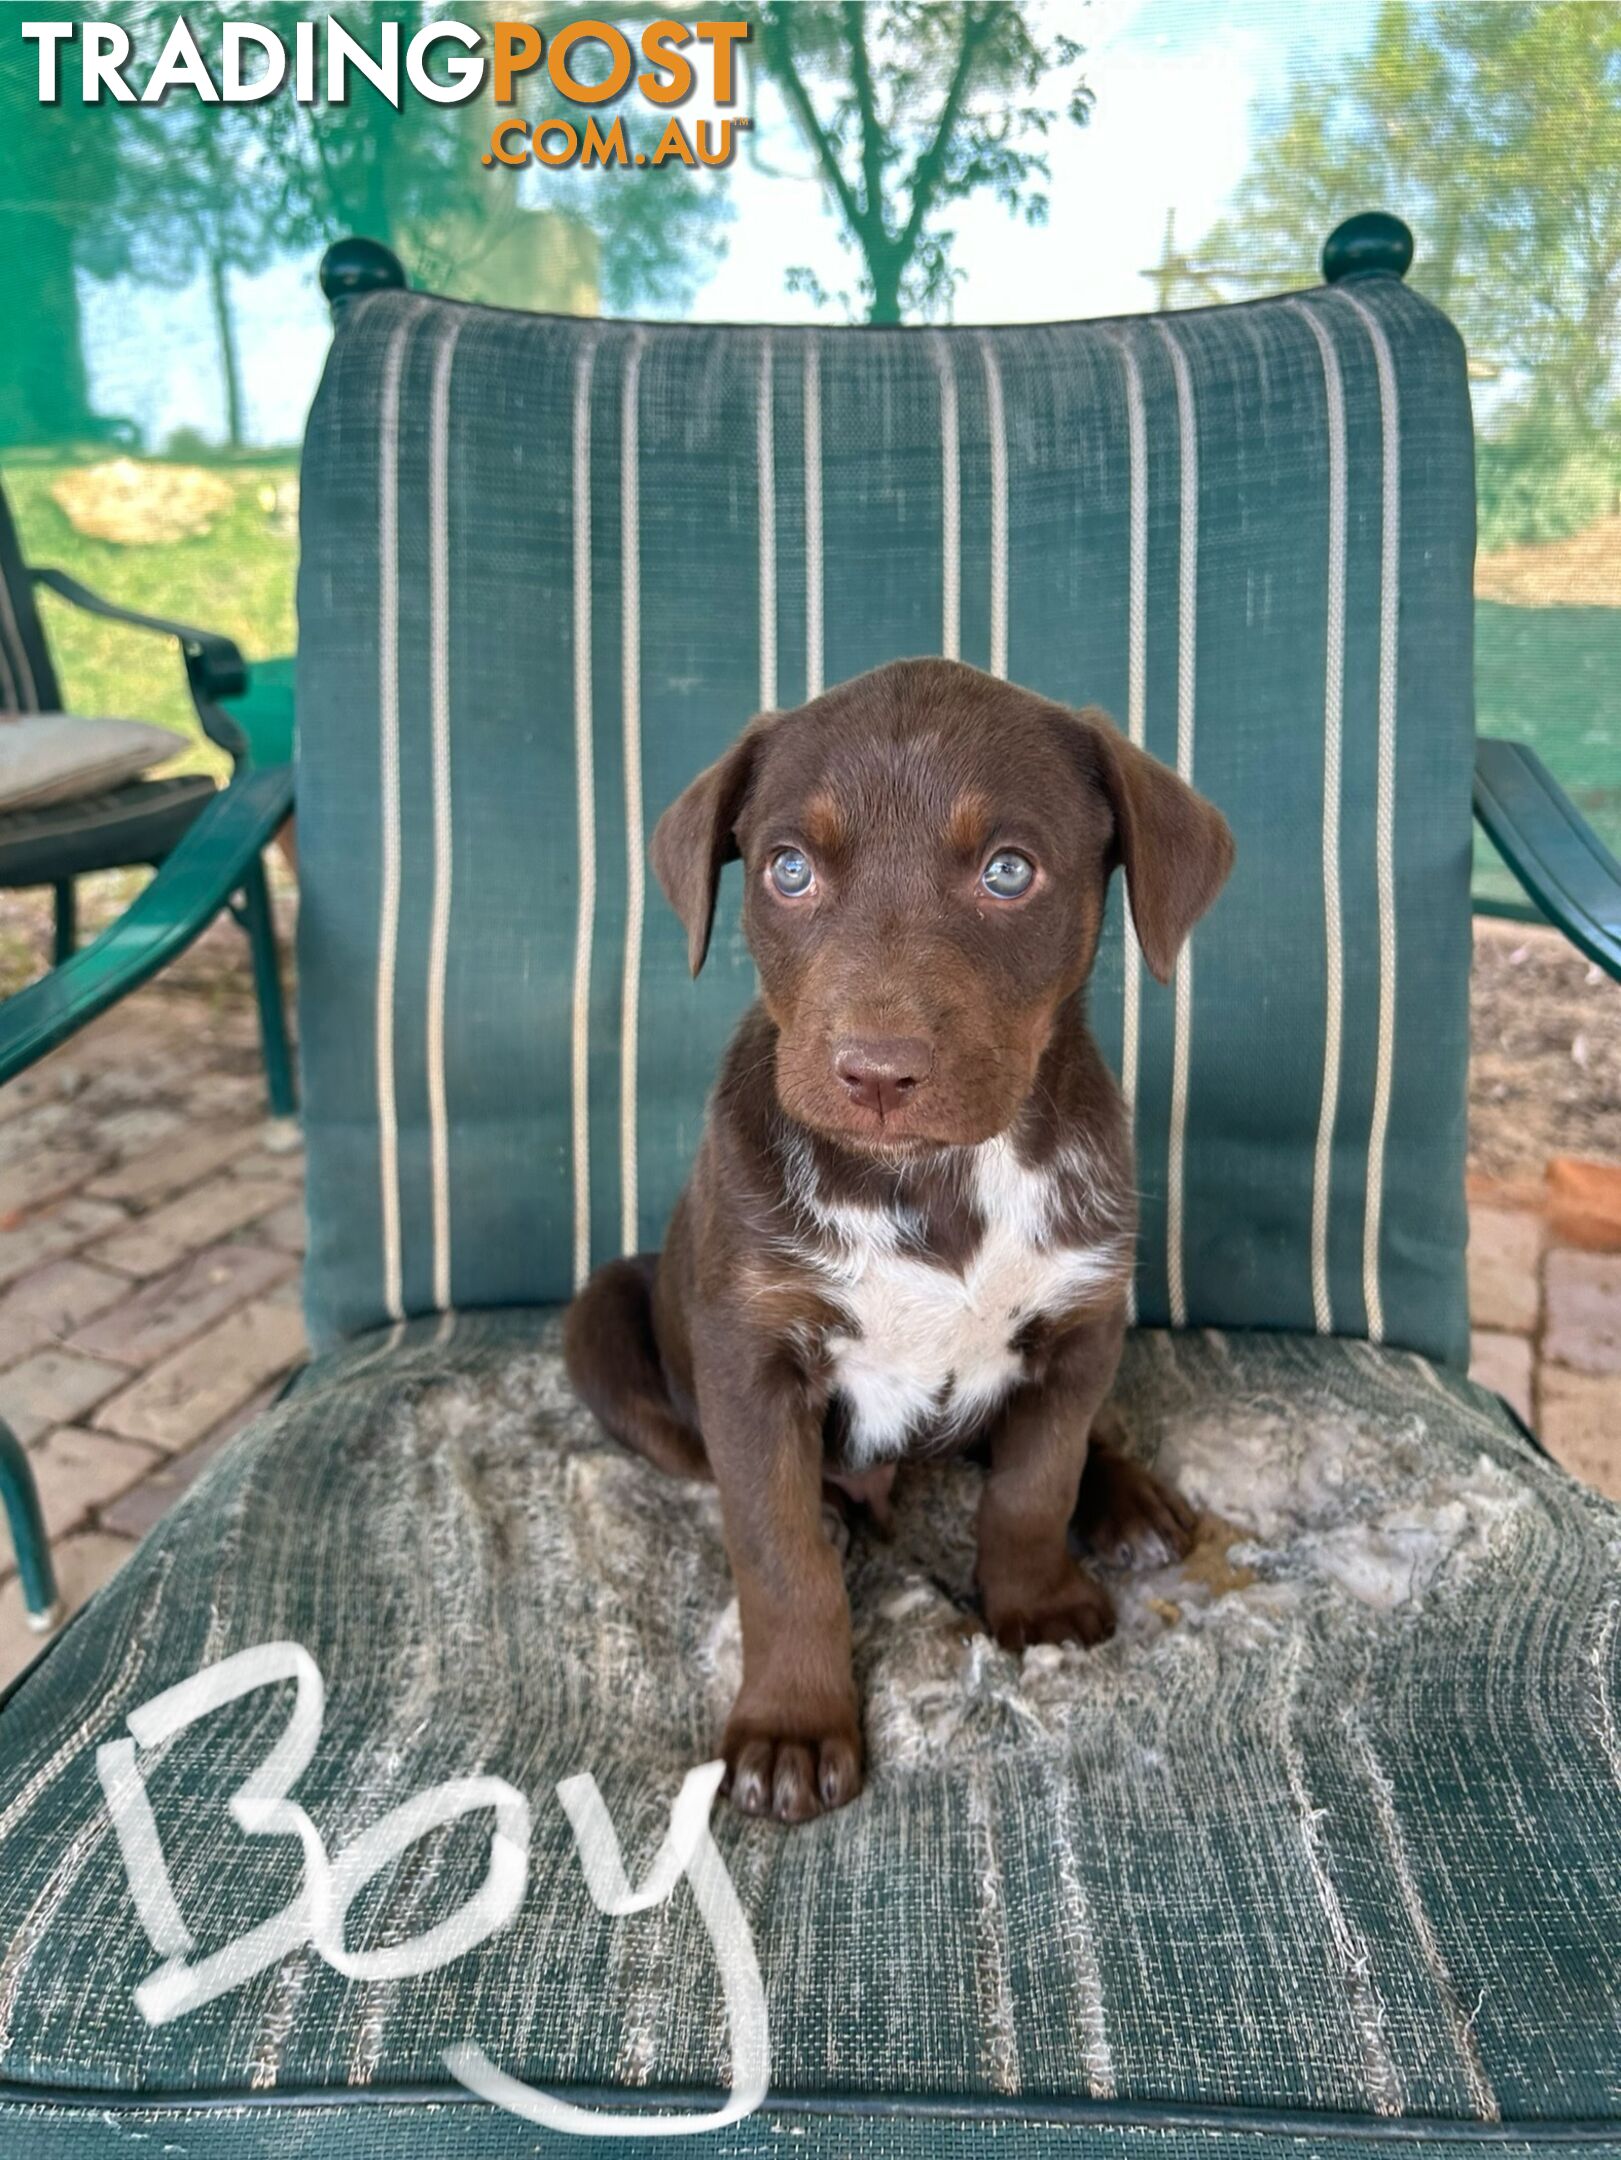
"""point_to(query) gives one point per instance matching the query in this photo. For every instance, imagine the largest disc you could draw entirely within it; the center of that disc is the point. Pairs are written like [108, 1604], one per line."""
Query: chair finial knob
[353, 267]
[1373, 240]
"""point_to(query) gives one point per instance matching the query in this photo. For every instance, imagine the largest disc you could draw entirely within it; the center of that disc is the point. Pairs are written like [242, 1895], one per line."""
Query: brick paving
[151, 1222]
[1547, 1313]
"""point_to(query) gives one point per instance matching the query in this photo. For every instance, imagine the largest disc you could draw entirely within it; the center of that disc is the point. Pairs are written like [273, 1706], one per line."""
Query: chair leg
[21, 1496]
[260, 926]
[67, 922]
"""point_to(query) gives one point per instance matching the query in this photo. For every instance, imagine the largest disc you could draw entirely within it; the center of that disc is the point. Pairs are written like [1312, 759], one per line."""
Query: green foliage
[55, 182]
[182, 191]
[656, 236]
[280, 177]
[414, 177]
[362, 166]
[908, 107]
[1530, 488]
[1494, 128]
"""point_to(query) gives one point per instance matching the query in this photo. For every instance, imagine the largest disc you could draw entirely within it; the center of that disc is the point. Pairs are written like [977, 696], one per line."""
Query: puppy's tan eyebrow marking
[823, 822]
[968, 826]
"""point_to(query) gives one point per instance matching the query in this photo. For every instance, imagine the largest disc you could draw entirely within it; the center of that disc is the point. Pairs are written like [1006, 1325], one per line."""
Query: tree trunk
[44, 390]
[219, 294]
[886, 268]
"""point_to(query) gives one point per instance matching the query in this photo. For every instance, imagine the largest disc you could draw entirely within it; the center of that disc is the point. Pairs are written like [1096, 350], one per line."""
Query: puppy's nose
[879, 1072]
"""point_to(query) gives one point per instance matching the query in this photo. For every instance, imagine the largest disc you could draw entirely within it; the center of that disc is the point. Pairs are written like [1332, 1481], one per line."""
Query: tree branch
[872, 146]
[779, 59]
[930, 167]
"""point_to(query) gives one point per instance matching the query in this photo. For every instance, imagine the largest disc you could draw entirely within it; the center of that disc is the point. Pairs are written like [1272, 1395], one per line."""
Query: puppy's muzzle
[882, 1073]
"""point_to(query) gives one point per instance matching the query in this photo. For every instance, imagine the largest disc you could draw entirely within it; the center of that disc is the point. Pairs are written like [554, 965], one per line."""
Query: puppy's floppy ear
[1176, 848]
[694, 838]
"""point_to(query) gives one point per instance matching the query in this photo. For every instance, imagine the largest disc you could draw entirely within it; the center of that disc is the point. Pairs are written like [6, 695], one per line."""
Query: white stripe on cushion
[1333, 722]
[439, 705]
[1136, 715]
[1460, 2021]
[1187, 609]
[585, 814]
[1080, 1934]
[996, 427]
[950, 502]
[1384, 800]
[635, 838]
[388, 707]
[765, 452]
[813, 519]
[383, 1352]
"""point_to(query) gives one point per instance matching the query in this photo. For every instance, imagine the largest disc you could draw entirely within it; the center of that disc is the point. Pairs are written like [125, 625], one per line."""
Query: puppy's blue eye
[1008, 874]
[791, 873]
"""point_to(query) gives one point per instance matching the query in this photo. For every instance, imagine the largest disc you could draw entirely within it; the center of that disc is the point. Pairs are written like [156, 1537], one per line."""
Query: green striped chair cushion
[550, 567]
[1323, 1844]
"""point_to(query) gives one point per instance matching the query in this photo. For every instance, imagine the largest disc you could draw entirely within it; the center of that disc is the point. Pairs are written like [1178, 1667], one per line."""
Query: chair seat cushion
[1326, 1840]
[138, 823]
[49, 757]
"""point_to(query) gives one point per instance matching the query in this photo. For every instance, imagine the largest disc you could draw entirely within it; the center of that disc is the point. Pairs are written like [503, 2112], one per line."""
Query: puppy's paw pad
[792, 1780]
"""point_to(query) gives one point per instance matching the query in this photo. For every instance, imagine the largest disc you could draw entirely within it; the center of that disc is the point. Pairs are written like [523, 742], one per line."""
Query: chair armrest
[194, 883]
[212, 659]
[1551, 848]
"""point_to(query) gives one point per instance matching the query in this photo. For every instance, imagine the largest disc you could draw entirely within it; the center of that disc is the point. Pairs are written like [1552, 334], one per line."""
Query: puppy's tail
[613, 1360]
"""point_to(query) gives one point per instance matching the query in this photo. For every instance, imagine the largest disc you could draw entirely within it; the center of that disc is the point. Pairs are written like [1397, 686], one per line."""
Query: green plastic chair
[1322, 1853]
[209, 843]
[141, 821]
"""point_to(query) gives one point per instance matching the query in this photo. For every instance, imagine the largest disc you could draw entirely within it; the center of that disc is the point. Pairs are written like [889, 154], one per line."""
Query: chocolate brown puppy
[909, 1227]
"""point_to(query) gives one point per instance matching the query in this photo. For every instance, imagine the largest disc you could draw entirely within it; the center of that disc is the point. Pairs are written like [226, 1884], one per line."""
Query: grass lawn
[237, 577]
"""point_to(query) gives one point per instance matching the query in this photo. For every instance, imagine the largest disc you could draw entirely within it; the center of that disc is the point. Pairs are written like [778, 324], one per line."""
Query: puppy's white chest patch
[931, 1350]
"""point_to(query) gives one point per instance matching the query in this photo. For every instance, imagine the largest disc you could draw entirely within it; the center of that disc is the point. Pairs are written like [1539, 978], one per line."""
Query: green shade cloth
[549, 569]
[1331, 1827]
[265, 711]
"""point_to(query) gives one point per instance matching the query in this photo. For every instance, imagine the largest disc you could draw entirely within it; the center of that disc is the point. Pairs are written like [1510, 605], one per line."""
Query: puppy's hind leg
[613, 1360]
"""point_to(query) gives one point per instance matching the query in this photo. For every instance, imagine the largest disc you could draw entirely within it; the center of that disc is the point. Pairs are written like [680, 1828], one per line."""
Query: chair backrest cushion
[551, 566]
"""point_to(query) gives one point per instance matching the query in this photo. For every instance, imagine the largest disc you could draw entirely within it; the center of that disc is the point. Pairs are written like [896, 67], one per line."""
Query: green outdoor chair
[210, 841]
[135, 821]
[1322, 1853]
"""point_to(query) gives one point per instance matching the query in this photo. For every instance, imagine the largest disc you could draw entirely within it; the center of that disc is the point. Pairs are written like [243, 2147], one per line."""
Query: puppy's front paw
[1074, 1609]
[794, 1772]
[1127, 1517]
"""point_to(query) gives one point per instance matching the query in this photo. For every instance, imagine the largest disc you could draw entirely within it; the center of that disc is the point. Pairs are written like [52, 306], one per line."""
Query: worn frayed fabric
[1331, 1824]
[1311, 1511]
